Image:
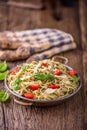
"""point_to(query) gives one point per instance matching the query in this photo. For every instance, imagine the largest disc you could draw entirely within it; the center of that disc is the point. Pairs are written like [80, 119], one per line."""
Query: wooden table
[70, 115]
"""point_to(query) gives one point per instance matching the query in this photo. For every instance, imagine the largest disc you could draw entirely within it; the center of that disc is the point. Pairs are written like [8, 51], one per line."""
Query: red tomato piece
[15, 71]
[44, 64]
[29, 95]
[34, 87]
[72, 72]
[57, 72]
[54, 86]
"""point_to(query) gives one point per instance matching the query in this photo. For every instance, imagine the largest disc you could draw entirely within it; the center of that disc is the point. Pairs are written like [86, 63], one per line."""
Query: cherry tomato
[54, 86]
[15, 71]
[44, 64]
[57, 72]
[29, 95]
[72, 72]
[34, 87]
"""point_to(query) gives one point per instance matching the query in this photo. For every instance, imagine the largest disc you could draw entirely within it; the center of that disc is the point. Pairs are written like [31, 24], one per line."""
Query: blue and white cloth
[43, 43]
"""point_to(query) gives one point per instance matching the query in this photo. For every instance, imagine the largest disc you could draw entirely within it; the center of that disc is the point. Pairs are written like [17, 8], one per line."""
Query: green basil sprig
[40, 76]
[76, 79]
[3, 66]
[3, 70]
[3, 75]
[4, 97]
[16, 84]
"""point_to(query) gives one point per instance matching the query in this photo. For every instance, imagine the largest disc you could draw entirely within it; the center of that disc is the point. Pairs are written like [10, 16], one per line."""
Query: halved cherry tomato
[57, 72]
[44, 64]
[15, 71]
[34, 87]
[29, 95]
[54, 86]
[72, 72]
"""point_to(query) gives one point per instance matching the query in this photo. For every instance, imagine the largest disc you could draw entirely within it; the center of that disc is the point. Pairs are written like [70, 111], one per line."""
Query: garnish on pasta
[43, 80]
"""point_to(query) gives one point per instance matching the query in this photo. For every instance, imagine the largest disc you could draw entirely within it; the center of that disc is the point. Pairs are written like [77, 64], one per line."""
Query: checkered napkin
[43, 43]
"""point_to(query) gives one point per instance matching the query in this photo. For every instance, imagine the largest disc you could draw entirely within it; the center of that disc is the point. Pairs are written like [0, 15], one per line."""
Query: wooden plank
[3, 26]
[23, 19]
[2, 118]
[3, 17]
[37, 5]
[83, 26]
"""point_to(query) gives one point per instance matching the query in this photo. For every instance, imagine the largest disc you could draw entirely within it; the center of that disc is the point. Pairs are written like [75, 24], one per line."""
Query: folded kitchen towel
[42, 43]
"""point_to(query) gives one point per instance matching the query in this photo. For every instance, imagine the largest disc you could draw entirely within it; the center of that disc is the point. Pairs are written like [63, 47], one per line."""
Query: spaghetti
[43, 80]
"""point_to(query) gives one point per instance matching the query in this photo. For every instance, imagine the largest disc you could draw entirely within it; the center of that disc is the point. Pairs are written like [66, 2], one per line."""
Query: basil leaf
[1, 94]
[3, 75]
[16, 84]
[16, 87]
[4, 96]
[17, 81]
[40, 76]
[75, 79]
[49, 77]
[3, 66]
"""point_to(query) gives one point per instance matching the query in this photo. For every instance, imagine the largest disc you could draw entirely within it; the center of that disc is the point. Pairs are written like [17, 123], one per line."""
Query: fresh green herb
[75, 79]
[17, 81]
[16, 84]
[49, 77]
[3, 66]
[3, 70]
[40, 76]
[16, 87]
[4, 96]
[25, 67]
[3, 75]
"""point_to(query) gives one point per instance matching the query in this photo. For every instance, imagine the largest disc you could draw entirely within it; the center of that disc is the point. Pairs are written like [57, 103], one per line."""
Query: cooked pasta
[43, 80]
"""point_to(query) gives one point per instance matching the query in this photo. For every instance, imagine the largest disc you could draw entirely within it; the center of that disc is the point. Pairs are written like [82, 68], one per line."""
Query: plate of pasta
[43, 83]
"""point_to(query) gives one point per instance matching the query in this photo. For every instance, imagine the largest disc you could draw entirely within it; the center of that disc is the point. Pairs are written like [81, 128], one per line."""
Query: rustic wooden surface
[71, 115]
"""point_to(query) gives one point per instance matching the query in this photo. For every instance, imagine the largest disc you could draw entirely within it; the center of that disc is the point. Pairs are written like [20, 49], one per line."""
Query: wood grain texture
[71, 115]
[3, 18]
[83, 25]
